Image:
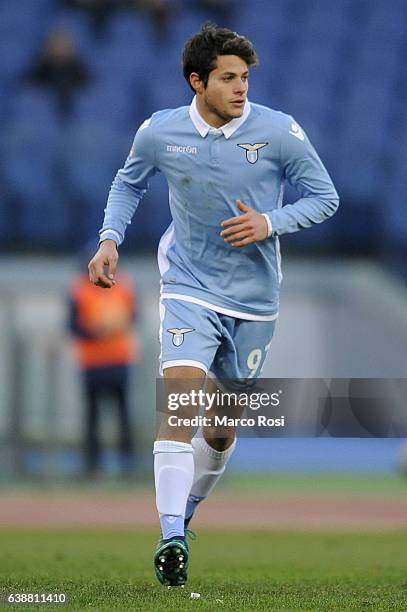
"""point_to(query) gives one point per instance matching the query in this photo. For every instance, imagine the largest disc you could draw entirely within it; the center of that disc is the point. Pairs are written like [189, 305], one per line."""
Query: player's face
[225, 94]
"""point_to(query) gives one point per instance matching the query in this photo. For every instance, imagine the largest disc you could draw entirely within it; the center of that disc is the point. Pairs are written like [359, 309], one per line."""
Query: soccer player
[226, 161]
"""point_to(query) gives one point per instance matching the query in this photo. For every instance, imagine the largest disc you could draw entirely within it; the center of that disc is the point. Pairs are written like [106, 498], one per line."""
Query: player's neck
[209, 116]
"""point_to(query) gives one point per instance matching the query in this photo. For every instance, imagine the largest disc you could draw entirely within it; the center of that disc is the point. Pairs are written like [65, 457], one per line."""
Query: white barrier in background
[336, 320]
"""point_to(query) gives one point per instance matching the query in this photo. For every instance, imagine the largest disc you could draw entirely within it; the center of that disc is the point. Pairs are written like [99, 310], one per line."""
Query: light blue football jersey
[207, 170]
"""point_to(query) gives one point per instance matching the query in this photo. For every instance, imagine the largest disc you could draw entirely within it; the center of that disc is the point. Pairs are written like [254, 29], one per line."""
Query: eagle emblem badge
[178, 334]
[252, 150]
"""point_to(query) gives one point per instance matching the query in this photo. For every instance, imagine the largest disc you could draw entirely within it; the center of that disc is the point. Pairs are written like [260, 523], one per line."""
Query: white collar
[228, 129]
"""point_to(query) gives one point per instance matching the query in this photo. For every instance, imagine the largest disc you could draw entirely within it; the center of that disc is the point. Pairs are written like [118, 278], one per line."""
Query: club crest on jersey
[178, 334]
[252, 150]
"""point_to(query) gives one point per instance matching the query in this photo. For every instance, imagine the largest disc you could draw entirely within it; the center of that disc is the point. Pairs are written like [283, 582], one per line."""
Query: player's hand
[102, 268]
[249, 227]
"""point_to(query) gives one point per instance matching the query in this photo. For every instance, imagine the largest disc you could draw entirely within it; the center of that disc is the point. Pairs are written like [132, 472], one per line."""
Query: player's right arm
[128, 188]
[102, 267]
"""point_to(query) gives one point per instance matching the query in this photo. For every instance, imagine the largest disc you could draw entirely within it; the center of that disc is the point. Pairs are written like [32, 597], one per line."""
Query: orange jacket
[101, 321]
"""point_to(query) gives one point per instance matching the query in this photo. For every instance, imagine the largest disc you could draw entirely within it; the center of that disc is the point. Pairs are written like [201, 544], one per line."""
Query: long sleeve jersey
[207, 170]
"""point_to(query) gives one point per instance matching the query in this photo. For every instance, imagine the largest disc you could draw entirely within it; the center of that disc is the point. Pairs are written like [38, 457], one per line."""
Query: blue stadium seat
[260, 90]
[167, 87]
[310, 100]
[367, 113]
[320, 235]
[376, 60]
[357, 169]
[395, 148]
[152, 217]
[314, 60]
[266, 33]
[125, 54]
[361, 138]
[108, 103]
[336, 66]
[395, 212]
[386, 24]
[7, 217]
[16, 58]
[22, 14]
[24, 22]
[31, 174]
[327, 22]
[183, 26]
[120, 64]
[277, 80]
[130, 30]
[31, 167]
[33, 104]
[167, 50]
[92, 153]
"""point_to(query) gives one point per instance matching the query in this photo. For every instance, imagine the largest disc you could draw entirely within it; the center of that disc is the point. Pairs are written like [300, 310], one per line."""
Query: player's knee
[219, 444]
[171, 436]
[184, 373]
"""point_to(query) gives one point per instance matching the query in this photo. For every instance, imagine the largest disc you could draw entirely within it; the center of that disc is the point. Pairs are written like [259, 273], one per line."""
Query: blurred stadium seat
[31, 174]
[327, 22]
[33, 103]
[104, 104]
[394, 215]
[338, 67]
[129, 28]
[15, 57]
[92, 151]
[7, 221]
[23, 15]
[153, 217]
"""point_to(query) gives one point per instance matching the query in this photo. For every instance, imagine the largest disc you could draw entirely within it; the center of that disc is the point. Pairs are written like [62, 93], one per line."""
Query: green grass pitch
[244, 570]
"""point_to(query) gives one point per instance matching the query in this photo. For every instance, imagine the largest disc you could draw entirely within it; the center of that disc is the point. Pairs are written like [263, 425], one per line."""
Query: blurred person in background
[159, 12]
[220, 10]
[60, 69]
[102, 324]
[98, 11]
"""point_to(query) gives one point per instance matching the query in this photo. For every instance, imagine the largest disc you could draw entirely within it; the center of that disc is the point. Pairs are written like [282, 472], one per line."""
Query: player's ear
[196, 82]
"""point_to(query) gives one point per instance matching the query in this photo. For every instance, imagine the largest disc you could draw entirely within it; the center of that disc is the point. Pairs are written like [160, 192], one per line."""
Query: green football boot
[171, 561]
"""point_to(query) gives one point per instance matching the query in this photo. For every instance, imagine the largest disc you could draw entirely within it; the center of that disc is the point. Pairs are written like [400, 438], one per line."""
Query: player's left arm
[304, 170]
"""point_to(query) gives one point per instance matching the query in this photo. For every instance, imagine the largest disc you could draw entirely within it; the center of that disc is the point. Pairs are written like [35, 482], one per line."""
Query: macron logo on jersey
[297, 132]
[179, 149]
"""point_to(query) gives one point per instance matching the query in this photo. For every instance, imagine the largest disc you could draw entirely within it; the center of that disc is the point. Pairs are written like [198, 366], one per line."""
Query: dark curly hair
[200, 51]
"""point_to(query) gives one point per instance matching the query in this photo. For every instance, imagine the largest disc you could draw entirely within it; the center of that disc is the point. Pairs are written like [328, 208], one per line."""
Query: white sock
[174, 473]
[209, 467]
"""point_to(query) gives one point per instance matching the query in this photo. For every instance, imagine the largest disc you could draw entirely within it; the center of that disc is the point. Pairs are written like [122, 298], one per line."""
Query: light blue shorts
[193, 335]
